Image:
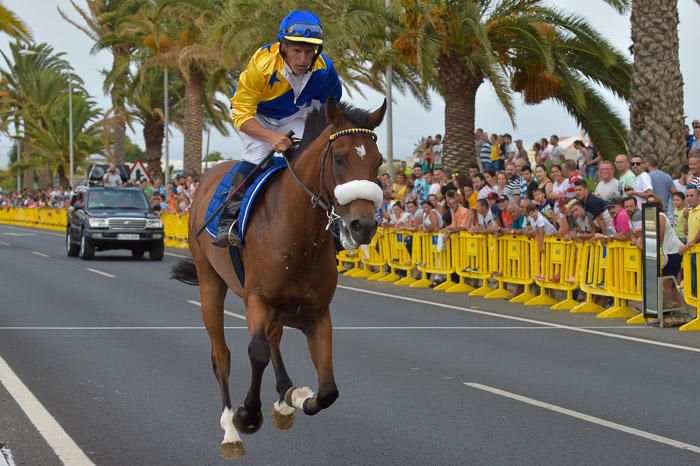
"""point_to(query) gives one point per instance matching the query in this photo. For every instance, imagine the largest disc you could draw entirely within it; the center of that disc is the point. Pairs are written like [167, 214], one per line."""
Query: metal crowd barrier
[556, 269]
[690, 286]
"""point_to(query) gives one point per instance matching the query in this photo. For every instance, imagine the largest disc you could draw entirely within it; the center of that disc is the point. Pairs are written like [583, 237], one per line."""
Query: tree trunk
[194, 122]
[458, 87]
[63, 180]
[656, 97]
[45, 178]
[153, 134]
[28, 178]
[119, 148]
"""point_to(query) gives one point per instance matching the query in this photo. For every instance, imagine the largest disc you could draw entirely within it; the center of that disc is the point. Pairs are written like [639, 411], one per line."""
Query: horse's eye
[338, 159]
[381, 162]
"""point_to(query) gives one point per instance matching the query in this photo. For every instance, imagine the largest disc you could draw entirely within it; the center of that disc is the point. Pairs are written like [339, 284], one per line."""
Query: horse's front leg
[248, 418]
[319, 335]
[282, 413]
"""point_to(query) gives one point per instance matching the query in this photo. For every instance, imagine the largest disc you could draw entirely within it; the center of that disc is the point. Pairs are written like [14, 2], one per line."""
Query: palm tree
[656, 99]
[517, 46]
[13, 26]
[101, 19]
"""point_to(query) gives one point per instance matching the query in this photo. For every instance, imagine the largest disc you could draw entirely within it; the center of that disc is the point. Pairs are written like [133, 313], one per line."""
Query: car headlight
[98, 223]
[154, 223]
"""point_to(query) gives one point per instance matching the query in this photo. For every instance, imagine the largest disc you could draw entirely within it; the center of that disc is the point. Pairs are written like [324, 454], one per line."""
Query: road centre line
[176, 255]
[61, 443]
[586, 417]
[33, 230]
[40, 254]
[99, 272]
[524, 319]
[4, 243]
[228, 313]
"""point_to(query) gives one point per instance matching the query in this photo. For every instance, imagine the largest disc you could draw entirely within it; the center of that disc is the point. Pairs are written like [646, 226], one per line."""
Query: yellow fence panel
[556, 269]
[514, 267]
[690, 286]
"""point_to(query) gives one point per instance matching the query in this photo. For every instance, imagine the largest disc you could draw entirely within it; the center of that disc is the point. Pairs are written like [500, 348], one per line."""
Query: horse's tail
[185, 271]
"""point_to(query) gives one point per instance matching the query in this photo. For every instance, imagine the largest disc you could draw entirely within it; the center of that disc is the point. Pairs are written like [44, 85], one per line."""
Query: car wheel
[137, 253]
[156, 253]
[72, 249]
[87, 251]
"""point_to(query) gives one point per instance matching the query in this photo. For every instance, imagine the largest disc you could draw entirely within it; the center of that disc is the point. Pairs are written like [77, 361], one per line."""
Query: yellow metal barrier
[689, 295]
[367, 256]
[471, 258]
[555, 268]
[514, 267]
[433, 260]
[592, 276]
[45, 218]
[625, 267]
[175, 227]
[399, 258]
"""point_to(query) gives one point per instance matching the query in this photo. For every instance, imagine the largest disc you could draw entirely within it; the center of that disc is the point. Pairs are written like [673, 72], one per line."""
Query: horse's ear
[375, 118]
[334, 114]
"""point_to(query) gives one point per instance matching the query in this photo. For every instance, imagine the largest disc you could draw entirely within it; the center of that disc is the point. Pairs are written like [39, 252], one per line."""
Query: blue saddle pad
[252, 193]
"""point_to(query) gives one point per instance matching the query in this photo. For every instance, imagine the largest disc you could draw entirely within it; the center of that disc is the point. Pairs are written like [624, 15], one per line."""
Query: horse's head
[354, 163]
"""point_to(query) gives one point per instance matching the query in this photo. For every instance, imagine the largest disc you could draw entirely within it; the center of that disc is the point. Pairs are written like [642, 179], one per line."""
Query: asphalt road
[119, 358]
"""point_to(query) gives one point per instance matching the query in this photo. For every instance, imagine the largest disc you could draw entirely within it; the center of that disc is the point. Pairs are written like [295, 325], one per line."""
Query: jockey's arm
[279, 141]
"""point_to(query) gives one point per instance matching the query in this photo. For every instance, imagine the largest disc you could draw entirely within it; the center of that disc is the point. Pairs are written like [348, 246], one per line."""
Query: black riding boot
[227, 234]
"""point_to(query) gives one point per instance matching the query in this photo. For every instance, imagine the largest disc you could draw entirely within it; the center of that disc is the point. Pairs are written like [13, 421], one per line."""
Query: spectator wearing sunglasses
[643, 187]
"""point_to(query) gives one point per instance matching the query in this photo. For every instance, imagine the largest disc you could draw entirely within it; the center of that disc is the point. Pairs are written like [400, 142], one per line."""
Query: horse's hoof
[282, 421]
[247, 423]
[296, 396]
[232, 451]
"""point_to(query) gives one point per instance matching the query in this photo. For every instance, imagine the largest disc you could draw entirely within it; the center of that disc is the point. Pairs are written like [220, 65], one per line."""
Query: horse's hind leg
[212, 292]
[248, 418]
[320, 339]
[282, 413]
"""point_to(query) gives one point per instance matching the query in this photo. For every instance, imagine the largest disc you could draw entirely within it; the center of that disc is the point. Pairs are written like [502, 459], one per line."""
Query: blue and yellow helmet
[301, 26]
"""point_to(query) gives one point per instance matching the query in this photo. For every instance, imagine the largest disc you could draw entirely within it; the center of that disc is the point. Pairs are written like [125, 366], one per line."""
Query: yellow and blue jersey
[263, 89]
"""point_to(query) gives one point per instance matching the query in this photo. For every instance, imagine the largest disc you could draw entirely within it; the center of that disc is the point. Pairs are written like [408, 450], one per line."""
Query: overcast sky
[410, 119]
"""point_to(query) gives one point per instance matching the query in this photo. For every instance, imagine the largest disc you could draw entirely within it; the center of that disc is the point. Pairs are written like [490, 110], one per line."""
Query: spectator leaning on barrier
[608, 187]
[694, 167]
[486, 223]
[460, 214]
[642, 185]
[577, 225]
[538, 226]
[592, 205]
[634, 214]
[691, 196]
[625, 175]
[620, 222]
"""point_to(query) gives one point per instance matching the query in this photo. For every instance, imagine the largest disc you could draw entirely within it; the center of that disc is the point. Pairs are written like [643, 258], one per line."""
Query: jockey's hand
[280, 142]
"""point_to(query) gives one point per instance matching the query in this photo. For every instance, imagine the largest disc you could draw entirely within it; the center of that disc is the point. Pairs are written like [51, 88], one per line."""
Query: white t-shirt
[557, 154]
[112, 180]
[434, 189]
[487, 220]
[608, 190]
[641, 184]
[541, 222]
[671, 243]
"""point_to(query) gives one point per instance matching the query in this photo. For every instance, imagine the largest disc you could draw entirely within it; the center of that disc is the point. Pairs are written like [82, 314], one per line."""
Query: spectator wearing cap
[625, 175]
[620, 221]
[642, 184]
[538, 226]
[592, 205]
[578, 225]
[608, 187]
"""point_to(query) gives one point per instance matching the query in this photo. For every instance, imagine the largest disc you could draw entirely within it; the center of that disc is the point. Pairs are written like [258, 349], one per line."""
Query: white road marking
[176, 255]
[38, 231]
[20, 234]
[228, 313]
[523, 319]
[99, 272]
[4, 243]
[61, 443]
[6, 457]
[587, 418]
[40, 254]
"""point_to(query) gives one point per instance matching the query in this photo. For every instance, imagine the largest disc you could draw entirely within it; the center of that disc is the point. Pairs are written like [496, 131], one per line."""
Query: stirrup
[227, 238]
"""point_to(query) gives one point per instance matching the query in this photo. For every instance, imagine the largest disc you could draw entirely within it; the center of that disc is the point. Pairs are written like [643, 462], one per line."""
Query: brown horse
[289, 262]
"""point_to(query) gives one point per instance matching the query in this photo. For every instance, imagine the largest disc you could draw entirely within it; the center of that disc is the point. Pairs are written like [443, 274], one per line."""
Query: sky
[411, 120]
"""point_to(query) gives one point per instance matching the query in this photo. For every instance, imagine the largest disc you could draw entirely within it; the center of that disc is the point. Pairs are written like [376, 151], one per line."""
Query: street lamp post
[389, 113]
[167, 142]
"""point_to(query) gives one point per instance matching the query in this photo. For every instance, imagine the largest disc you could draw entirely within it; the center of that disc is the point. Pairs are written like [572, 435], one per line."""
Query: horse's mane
[316, 122]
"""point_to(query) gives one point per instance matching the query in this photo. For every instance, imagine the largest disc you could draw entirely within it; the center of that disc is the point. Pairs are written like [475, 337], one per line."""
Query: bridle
[317, 199]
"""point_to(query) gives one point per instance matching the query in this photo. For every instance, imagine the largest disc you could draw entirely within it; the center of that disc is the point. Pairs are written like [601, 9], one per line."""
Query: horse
[289, 261]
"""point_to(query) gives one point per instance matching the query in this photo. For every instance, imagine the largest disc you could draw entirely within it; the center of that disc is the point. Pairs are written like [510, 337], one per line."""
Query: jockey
[283, 82]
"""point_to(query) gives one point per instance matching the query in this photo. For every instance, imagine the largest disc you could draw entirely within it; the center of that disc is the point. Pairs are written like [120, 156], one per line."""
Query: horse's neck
[297, 202]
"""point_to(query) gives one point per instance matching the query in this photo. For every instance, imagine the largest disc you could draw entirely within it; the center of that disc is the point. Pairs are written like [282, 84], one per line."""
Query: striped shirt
[485, 153]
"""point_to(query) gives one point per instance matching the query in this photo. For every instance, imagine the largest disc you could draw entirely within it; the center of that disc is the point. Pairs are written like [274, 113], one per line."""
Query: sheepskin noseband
[359, 189]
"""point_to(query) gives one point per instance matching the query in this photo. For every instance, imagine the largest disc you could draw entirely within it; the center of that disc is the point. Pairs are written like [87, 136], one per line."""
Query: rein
[317, 200]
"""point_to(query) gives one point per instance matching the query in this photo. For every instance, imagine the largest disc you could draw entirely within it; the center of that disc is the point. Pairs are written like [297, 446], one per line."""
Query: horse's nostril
[356, 225]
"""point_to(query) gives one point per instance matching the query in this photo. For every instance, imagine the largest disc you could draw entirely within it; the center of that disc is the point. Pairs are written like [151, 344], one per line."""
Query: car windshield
[117, 199]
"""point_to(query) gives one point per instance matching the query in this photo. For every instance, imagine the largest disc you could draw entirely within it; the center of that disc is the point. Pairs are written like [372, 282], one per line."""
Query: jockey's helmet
[301, 26]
